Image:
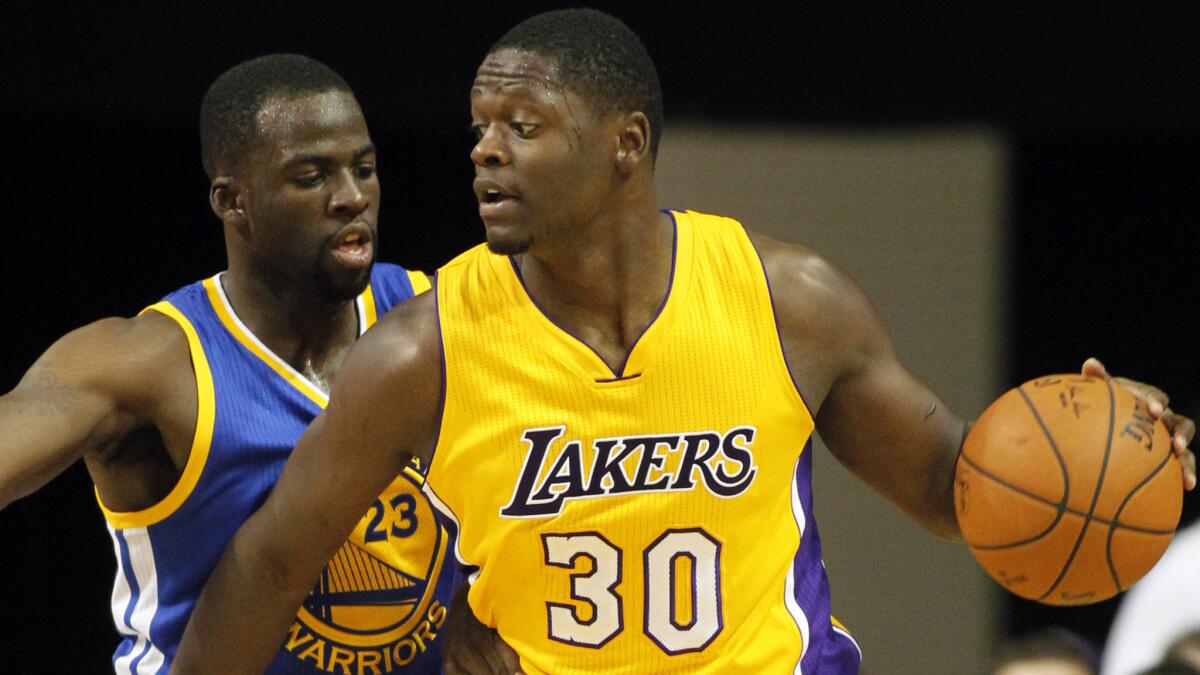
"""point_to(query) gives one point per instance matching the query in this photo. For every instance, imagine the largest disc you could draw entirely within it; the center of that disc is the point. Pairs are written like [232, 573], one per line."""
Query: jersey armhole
[780, 354]
[201, 438]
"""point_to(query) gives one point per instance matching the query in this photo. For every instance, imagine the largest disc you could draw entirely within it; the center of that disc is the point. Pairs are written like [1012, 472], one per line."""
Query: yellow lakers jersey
[655, 519]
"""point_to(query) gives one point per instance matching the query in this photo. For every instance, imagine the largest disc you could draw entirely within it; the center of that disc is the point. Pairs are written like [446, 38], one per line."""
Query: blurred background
[1015, 184]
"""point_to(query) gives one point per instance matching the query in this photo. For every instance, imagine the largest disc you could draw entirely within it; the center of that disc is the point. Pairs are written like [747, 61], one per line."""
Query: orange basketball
[1067, 491]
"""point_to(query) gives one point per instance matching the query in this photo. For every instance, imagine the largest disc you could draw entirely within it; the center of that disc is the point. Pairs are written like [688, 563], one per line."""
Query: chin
[344, 287]
[508, 245]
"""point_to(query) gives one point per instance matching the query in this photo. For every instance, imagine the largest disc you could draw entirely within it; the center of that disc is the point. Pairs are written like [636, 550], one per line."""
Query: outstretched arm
[384, 408]
[879, 420]
[85, 393]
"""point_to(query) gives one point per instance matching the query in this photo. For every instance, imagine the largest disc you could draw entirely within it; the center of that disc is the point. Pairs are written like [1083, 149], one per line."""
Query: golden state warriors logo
[374, 608]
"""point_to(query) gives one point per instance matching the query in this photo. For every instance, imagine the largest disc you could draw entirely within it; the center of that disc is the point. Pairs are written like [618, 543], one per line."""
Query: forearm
[242, 615]
[895, 435]
[939, 518]
[922, 484]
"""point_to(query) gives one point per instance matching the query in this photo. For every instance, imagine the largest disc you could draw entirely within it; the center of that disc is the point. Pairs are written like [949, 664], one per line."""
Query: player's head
[292, 172]
[1185, 650]
[1047, 652]
[566, 108]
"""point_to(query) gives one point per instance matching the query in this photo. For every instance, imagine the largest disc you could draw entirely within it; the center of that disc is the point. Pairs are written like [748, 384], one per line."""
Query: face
[543, 154]
[311, 194]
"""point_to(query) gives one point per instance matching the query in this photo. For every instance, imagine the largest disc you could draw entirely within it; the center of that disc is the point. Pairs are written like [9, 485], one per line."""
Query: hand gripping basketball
[1068, 488]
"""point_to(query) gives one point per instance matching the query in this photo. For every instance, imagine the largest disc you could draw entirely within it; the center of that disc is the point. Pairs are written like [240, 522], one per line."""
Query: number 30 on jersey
[674, 628]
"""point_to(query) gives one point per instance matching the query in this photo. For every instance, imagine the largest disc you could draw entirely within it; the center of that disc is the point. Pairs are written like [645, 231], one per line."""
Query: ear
[227, 198]
[633, 143]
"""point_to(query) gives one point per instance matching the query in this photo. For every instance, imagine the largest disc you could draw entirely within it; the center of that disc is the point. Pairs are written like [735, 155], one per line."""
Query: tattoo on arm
[44, 396]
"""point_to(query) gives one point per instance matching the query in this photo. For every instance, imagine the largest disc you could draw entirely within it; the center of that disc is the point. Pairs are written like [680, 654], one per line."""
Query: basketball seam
[1059, 505]
[1099, 483]
[1060, 508]
[1108, 548]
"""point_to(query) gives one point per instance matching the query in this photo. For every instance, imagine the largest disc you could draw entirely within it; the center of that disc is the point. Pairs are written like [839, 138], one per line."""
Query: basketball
[1067, 490]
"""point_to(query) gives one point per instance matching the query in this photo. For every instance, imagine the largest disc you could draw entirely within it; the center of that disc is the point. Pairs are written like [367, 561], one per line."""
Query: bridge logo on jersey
[556, 470]
[374, 608]
[355, 581]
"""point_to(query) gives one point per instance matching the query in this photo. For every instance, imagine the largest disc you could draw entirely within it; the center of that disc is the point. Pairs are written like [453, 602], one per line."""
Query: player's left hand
[1181, 428]
[471, 648]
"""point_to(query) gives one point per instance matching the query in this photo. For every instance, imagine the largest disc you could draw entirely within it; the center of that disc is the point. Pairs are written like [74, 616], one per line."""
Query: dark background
[106, 205]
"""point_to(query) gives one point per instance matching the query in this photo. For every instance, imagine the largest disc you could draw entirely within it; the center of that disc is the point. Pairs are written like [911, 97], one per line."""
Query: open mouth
[352, 246]
[494, 196]
[490, 193]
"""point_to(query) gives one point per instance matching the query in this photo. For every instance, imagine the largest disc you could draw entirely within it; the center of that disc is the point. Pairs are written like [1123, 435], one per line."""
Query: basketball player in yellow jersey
[617, 403]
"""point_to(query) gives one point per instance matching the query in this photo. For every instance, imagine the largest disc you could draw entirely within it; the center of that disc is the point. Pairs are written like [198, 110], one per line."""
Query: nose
[350, 198]
[490, 150]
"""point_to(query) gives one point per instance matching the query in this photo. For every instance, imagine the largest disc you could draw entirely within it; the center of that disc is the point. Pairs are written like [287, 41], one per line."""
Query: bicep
[879, 420]
[62, 408]
[377, 416]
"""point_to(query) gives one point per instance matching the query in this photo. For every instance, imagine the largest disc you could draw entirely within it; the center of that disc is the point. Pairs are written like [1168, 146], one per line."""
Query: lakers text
[722, 462]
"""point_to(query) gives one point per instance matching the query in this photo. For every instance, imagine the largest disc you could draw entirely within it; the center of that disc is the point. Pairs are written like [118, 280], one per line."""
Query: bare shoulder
[793, 267]
[814, 297]
[405, 338]
[828, 326]
[121, 356]
[86, 394]
[392, 378]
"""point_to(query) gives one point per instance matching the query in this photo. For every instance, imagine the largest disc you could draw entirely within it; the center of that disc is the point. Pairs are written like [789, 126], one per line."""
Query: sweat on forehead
[283, 111]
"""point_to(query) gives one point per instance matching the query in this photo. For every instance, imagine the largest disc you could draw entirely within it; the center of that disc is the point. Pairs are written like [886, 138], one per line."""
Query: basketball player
[186, 414]
[617, 404]
[1051, 651]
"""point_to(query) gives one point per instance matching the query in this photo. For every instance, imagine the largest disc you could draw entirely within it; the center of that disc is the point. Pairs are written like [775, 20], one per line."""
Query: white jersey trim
[145, 658]
[789, 590]
[270, 355]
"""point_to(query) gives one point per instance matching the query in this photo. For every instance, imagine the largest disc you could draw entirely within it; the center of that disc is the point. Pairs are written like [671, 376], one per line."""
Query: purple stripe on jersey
[441, 414]
[829, 652]
[775, 319]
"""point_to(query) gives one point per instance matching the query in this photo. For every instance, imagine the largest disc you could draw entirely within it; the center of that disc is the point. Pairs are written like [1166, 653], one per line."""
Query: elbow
[946, 529]
[8, 494]
[941, 519]
[280, 572]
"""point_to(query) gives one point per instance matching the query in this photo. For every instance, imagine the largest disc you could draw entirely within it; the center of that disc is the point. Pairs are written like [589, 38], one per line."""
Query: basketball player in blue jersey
[615, 406]
[186, 414]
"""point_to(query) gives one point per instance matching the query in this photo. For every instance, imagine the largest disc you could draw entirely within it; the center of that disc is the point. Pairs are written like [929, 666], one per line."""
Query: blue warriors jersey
[380, 602]
[654, 517]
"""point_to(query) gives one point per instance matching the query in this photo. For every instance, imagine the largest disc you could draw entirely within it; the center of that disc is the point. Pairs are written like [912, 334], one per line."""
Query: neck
[607, 284]
[307, 332]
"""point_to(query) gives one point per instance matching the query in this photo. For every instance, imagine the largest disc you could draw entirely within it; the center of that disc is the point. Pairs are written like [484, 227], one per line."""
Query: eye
[477, 131]
[523, 129]
[364, 171]
[309, 179]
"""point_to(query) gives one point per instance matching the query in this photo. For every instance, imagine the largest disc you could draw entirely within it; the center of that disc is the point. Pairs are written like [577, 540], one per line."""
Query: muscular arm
[83, 395]
[383, 409]
[880, 421]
